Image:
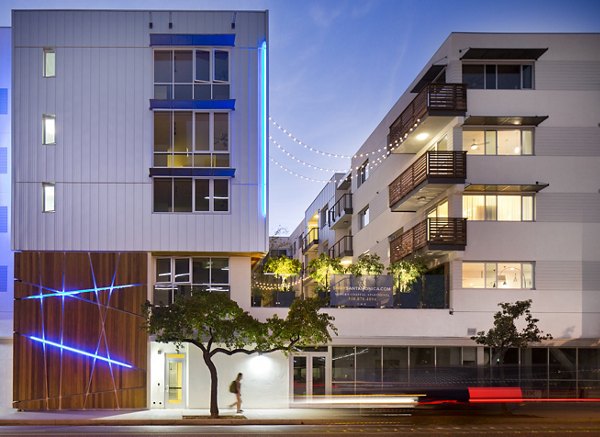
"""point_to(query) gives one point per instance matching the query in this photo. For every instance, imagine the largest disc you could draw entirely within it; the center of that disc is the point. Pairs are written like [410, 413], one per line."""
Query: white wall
[103, 153]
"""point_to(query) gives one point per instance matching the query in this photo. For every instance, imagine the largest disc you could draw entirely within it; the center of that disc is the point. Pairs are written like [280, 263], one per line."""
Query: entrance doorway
[311, 376]
[175, 381]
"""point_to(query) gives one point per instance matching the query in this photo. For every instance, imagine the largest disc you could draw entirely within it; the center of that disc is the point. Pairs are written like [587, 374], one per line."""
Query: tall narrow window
[363, 218]
[47, 197]
[363, 173]
[48, 129]
[49, 63]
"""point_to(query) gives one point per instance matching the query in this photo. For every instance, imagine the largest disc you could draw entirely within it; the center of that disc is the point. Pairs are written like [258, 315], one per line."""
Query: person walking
[236, 388]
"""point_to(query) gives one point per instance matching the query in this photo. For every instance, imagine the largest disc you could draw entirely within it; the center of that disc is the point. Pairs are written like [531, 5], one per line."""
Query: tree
[367, 264]
[283, 268]
[216, 324]
[504, 335]
[319, 269]
[406, 272]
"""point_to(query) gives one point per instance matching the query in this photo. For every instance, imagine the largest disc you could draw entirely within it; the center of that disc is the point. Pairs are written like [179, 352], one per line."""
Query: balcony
[431, 235]
[342, 248]
[429, 111]
[427, 177]
[311, 240]
[340, 214]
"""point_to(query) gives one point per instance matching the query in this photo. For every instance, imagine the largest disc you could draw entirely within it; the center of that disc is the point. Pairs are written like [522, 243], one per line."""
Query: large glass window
[191, 139]
[48, 129]
[199, 74]
[498, 76]
[187, 195]
[48, 197]
[498, 141]
[49, 63]
[498, 275]
[498, 207]
[185, 275]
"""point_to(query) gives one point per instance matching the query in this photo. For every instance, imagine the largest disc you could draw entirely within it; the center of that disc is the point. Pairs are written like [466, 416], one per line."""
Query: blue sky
[337, 66]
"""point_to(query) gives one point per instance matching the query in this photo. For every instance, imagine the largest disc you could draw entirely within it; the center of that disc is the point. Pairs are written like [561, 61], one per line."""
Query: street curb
[174, 422]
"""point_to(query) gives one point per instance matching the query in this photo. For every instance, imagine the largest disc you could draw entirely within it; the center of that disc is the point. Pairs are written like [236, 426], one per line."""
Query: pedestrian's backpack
[233, 387]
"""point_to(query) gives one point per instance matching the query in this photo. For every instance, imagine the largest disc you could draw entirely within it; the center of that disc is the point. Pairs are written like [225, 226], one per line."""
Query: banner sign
[362, 291]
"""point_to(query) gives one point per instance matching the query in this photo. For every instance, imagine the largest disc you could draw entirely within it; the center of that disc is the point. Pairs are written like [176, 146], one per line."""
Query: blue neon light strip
[58, 293]
[78, 351]
[263, 97]
[186, 39]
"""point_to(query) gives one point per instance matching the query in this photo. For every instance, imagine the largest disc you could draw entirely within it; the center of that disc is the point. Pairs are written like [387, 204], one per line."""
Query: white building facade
[489, 172]
[139, 172]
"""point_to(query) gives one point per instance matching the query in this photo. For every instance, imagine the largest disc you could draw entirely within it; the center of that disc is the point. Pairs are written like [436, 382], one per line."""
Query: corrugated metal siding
[568, 207]
[100, 163]
[571, 75]
[567, 141]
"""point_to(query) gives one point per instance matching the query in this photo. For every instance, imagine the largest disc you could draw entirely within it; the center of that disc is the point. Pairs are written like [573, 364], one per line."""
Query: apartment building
[6, 257]
[487, 167]
[139, 172]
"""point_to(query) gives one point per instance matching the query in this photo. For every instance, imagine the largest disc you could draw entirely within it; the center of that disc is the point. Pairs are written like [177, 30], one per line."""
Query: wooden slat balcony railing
[311, 238]
[341, 208]
[445, 234]
[342, 248]
[446, 167]
[441, 99]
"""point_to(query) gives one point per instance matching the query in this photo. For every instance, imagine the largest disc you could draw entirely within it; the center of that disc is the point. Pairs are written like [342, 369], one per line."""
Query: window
[440, 211]
[323, 216]
[498, 141]
[47, 197]
[49, 63]
[363, 218]
[497, 275]
[499, 207]
[48, 129]
[200, 74]
[184, 275]
[191, 139]
[191, 195]
[498, 76]
[362, 174]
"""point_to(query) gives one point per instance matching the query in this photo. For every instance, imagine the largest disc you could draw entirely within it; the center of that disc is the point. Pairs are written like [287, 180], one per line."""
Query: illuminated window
[185, 275]
[191, 195]
[498, 141]
[47, 197]
[499, 207]
[187, 139]
[49, 63]
[48, 129]
[200, 74]
[498, 275]
[440, 211]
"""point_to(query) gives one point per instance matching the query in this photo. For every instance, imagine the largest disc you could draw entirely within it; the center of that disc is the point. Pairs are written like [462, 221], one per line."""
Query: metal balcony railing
[445, 234]
[310, 239]
[341, 208]
[342, 248]
[441, 99]
[446, 167]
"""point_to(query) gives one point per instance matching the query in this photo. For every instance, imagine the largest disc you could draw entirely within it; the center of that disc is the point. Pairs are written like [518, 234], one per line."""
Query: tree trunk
[214, 385]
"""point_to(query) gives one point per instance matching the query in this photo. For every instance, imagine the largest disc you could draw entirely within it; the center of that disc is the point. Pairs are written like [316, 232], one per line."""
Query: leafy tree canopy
[319, 269]
[216, 324]
[283, 268]
[505, 335]
[367, 264]
[406, 272]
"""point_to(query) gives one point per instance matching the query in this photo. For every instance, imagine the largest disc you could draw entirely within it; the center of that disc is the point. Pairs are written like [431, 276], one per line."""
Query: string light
[304, 163]
[298, 175]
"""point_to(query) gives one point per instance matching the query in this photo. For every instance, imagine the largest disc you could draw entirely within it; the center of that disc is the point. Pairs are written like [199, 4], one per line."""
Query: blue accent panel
[182, 39]
[192, 104]
[78, 351]
[3, 279]
[4, 219]
[3, 101]
[184, 171]
[3, 160]
[263, 127]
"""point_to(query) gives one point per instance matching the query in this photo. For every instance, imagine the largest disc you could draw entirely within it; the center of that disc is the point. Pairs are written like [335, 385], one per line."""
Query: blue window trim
[192, 104]
[186, 39]
[186, 171]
